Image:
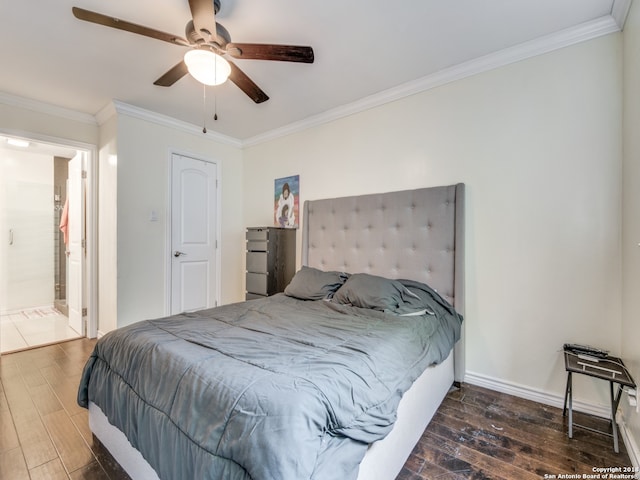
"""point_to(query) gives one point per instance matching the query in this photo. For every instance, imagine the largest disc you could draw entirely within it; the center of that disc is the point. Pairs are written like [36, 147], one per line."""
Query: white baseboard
[554, 400]
[536, 395]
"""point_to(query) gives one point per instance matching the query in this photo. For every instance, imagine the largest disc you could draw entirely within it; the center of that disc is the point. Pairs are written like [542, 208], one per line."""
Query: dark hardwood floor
[481, 434]
[476, 433]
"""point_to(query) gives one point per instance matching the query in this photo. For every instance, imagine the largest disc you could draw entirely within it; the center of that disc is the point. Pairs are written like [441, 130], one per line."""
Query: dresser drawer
[257, 245]
[257, 262]
[257, 283]
[257, 234]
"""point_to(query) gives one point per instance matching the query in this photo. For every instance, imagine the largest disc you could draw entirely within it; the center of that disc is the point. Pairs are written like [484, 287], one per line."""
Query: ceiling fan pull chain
[215, 97]
[204, 108]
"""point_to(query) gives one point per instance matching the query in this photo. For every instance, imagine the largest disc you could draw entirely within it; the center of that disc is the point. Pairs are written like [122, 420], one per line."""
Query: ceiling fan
[206, 37]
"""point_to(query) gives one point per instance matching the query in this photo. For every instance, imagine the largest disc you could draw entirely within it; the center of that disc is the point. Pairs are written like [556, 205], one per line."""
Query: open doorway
[43, 240]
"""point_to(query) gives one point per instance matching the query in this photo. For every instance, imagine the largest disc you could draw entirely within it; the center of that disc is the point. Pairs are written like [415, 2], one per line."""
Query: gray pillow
[371, 291]
[422, 295]
[312, 284]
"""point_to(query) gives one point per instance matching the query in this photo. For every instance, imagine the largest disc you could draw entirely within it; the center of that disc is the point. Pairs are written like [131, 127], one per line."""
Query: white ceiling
[363, 49]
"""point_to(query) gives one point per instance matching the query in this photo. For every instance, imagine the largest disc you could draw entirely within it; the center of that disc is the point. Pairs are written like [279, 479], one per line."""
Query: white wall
[26, 208]
[538, 144]
[41, 120]
[108, 226]
[143, 154]
[630, 211]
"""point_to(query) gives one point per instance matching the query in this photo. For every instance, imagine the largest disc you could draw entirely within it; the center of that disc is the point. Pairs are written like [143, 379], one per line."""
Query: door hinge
[84, 312]
[84, 243]
[84, 174]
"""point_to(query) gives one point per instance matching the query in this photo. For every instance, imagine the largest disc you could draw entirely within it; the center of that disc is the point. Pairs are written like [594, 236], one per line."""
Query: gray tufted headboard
[413, 234]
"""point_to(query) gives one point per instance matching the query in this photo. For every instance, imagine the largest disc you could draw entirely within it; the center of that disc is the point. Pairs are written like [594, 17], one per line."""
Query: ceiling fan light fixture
[207, 67]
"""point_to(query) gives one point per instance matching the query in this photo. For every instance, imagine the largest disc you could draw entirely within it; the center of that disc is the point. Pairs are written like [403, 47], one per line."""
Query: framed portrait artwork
[287, 202]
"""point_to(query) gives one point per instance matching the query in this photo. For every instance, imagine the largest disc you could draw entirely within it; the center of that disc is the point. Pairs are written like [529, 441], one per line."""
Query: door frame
[90, 274]
[167, 247]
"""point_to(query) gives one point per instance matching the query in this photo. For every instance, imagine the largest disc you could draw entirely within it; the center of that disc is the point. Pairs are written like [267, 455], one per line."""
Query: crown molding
[549, 43]
[108, 111]
[123, 108]
[112, 108]
[620, 11]
[46, 108]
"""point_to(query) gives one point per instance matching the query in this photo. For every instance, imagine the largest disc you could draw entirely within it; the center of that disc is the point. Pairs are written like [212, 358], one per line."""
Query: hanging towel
[64, 221]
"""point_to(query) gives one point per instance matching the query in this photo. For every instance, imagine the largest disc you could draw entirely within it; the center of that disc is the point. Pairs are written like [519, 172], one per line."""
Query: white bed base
[130, 459]
[385, 458]
[383, 461]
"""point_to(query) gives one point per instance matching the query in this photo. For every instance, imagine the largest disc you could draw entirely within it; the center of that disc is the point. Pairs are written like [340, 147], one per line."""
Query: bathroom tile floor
[32, 327]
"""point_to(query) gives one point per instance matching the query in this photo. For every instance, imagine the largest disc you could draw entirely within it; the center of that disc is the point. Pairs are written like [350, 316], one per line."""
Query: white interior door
[193, 234]
[75, 248]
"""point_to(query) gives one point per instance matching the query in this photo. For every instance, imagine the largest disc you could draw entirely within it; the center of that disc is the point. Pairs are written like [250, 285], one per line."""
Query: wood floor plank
[8, 434]
[4, 406]
[73, 450]
[92, 471]
[407, 474]
[425, 470]
[67, 393]
[53, 470]
[484, 457]
[8, 369]
[32, 377]
[45, 400]
[53, 374]
[71, 366]
[36, 444]
[81, 421]
[34, 438]
[12, 465]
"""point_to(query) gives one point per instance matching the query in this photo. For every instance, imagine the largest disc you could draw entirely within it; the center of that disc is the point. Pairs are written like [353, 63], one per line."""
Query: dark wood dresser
[271, 260]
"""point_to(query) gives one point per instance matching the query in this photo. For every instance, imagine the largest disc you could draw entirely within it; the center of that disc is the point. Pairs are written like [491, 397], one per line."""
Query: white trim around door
[90, 277]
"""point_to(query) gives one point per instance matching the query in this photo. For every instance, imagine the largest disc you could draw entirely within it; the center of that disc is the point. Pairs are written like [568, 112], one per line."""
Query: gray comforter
[273, 389]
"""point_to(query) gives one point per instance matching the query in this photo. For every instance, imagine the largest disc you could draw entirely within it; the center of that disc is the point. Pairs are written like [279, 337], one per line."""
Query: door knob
[178, 253]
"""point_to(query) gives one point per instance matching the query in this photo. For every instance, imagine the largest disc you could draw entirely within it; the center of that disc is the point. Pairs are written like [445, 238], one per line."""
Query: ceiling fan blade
[204, 18]
[173, 75]
[247, 85]
[107, 21]
[259, 51]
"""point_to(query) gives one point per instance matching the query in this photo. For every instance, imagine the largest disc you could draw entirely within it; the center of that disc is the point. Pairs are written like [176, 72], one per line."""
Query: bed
[330, 380]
